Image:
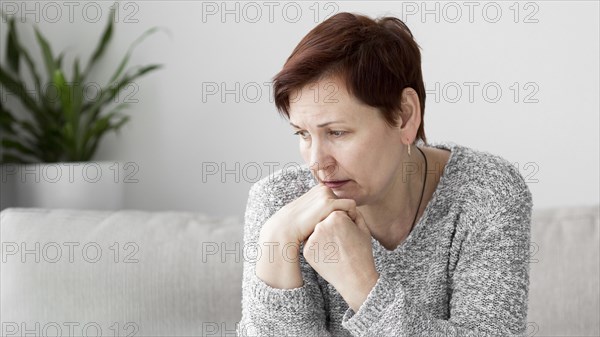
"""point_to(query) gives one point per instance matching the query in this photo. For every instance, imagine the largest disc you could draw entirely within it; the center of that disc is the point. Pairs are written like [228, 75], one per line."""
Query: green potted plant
[59, 123]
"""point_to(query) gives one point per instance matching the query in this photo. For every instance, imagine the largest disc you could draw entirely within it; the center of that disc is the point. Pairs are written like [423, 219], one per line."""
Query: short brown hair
[376, 59]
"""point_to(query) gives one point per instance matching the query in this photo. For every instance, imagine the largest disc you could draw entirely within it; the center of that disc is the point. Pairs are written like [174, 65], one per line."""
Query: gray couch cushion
[179, 274]
[563, 293]
[167, 274]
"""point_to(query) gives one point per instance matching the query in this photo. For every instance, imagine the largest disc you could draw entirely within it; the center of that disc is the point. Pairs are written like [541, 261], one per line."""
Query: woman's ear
[410, 113]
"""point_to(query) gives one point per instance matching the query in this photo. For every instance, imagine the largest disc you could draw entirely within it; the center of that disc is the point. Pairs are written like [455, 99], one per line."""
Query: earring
[409, 150]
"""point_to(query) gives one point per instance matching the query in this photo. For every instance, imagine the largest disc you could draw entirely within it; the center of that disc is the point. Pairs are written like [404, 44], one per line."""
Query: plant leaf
[58, 61]
[76, 73]
[106, 36]
[105, 126]
[64, 92]
[10, 158]
[27, 126]
[13, 144]
[7, 120]
[8, 123]
[95, 133]
[16, 87]
[12, 46]
[123, 63]
[109, 93]
[33, 72]
[46, 53]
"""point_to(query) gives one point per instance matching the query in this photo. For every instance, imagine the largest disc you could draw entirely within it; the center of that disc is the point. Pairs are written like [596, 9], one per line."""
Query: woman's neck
[390, 219]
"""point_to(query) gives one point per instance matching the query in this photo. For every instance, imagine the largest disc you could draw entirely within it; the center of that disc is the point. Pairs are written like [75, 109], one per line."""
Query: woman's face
[342, 139]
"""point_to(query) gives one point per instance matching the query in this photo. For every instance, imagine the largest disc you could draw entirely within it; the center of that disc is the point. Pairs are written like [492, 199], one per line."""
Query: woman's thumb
[360, 222]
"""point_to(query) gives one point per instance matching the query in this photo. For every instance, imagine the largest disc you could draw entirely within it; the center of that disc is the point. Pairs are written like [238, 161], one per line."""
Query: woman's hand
[296, 221]
[340, 250]
[290, 226]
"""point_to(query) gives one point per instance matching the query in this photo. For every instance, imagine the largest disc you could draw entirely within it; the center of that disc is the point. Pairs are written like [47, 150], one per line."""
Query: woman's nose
[322, 162]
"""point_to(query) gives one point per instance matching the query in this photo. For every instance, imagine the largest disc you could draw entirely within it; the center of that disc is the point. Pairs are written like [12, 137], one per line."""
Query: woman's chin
[348, 195]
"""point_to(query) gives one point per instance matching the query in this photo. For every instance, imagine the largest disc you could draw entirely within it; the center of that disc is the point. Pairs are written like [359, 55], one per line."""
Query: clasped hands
[337, 241]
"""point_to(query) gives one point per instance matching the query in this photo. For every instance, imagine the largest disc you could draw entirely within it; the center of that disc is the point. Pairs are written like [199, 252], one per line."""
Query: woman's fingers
[360, 222]
[313, 207]
[348, 205]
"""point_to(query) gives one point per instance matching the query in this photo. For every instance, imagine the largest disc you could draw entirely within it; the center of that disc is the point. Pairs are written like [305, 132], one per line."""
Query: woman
[380, 234]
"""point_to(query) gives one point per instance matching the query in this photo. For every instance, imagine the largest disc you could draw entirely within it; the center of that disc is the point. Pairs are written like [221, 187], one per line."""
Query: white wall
[551, 51]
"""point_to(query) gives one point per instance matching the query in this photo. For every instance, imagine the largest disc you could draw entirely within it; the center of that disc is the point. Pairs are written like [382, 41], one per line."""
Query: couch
[135, 273]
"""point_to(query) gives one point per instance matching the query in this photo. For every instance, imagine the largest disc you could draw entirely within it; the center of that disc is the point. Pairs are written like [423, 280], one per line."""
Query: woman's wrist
[278, 264]
[358, 295]
[276, 231]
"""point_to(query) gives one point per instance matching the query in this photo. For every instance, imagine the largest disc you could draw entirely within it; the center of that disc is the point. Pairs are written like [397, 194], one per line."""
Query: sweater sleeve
[489, 291]
[268, 311]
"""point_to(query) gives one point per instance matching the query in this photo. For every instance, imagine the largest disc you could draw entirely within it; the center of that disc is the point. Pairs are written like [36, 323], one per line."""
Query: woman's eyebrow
[319, 126]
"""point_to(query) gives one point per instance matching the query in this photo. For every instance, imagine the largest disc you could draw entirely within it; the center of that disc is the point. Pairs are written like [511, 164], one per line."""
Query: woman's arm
[271, 311]
[489, 292]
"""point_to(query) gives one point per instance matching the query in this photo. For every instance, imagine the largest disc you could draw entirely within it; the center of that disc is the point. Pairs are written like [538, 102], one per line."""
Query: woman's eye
[301, 134]
[337, 133]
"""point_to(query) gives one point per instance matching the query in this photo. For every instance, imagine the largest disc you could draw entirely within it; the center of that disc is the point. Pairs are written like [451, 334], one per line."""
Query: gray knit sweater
[462, 271]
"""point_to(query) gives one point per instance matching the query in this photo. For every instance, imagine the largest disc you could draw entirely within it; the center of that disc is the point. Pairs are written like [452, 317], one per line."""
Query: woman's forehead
[346, 111]
[326, 96]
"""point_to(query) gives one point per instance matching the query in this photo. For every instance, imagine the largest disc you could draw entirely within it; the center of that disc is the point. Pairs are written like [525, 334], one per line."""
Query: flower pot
[83, 185]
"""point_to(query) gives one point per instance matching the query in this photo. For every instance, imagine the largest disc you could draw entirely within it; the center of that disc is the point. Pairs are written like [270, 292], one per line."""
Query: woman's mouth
[335, 183]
